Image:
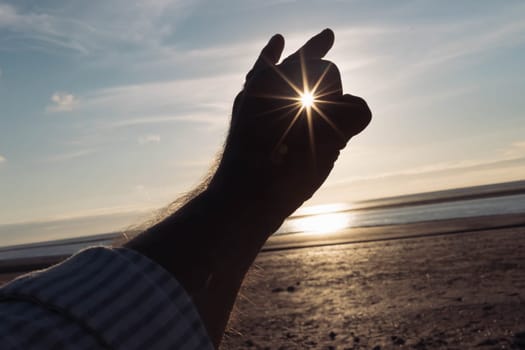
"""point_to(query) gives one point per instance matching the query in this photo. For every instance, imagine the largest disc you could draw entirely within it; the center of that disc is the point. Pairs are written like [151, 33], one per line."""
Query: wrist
[215, 229]
[244, 210]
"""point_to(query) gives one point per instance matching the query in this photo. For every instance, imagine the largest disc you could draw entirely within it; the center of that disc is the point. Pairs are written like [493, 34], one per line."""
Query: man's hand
[276, 156]
[279, 152]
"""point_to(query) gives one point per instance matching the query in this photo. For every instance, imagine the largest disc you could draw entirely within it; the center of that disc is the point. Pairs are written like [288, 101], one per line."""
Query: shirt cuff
[120, 297]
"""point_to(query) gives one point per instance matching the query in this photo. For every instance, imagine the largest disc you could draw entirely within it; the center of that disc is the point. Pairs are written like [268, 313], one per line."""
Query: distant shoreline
[29, 234]
[452, 195]
[365, 234]
[12, 267]
[460, 197]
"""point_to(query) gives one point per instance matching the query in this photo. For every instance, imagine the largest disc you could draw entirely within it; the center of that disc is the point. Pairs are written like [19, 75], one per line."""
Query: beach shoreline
[281, 241]
[393, 232]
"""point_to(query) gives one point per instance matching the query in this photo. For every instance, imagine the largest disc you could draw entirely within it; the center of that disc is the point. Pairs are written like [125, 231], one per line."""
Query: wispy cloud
[181, 93]
[422, 179]
[196, 163]
[162, 119]
[68, 156]
[150, 138]
[101, 27]
[101, 211]
[62, 102]
[434, 170]
[2, 159]
[399, 54]
[480, 38]
[143, 191]
[515, 149]
[196, 100]
[38, 31]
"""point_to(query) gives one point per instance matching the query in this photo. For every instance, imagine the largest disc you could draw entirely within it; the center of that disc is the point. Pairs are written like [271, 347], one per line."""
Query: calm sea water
[401, 215]
[331, 221]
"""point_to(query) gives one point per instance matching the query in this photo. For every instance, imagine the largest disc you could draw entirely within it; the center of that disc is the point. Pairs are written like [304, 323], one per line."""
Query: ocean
[480, 201]
[403, 214]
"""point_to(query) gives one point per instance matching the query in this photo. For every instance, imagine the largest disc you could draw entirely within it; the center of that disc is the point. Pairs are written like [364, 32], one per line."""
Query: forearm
[208, 245]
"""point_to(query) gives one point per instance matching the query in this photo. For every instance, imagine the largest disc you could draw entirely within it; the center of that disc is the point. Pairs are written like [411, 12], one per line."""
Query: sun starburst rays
[311, 133]
[329, 121]
[290, 126]
[307, 100]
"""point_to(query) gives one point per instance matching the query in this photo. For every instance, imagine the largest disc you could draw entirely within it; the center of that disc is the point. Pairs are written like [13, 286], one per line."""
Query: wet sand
[461, 290]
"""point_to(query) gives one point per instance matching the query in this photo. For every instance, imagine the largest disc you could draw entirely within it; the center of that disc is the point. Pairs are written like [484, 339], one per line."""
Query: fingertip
[270, 54]
[321, 43]
[329, 34]
[277, 38]
[274, 48]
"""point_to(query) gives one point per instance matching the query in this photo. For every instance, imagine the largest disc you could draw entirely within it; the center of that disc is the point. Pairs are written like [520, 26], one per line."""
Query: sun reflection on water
[321, 223]
[321, 219]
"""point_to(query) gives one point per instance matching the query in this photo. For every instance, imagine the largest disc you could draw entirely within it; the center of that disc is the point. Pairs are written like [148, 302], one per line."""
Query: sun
[306, 102]
[307, 99]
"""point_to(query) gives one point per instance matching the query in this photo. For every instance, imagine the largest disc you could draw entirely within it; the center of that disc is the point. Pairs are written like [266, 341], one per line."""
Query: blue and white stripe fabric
[100, 298]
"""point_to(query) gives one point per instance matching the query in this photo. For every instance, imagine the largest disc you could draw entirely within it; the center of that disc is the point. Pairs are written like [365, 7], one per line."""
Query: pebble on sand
[397, 340]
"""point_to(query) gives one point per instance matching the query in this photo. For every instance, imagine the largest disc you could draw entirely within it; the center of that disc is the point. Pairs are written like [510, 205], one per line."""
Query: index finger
[269, 55]
[316, 47]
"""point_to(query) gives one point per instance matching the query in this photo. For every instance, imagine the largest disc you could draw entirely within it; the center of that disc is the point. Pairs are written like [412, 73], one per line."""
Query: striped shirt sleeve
[100, 298]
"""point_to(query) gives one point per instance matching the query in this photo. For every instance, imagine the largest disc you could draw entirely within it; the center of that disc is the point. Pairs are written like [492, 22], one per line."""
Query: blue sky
[114, 108]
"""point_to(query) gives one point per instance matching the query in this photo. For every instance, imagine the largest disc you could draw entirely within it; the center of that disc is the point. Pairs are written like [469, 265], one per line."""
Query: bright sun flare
[321, 223]
[307, 99]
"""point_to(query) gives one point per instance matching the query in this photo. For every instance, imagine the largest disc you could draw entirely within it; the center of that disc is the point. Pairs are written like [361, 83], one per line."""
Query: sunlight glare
[322, 223]
[307, 99]
[306, 103]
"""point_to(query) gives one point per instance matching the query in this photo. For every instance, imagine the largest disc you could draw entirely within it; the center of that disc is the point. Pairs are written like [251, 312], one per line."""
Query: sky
[110, 109]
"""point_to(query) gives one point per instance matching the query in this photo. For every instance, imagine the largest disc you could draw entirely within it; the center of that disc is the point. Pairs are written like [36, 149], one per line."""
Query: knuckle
[363, 108]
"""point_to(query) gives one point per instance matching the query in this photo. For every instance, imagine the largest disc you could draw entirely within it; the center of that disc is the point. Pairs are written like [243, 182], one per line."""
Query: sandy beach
[450, 284]
[462, 290]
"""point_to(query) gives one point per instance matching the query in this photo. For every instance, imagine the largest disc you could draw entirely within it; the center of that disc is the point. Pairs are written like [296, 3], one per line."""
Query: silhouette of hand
[279, 151]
